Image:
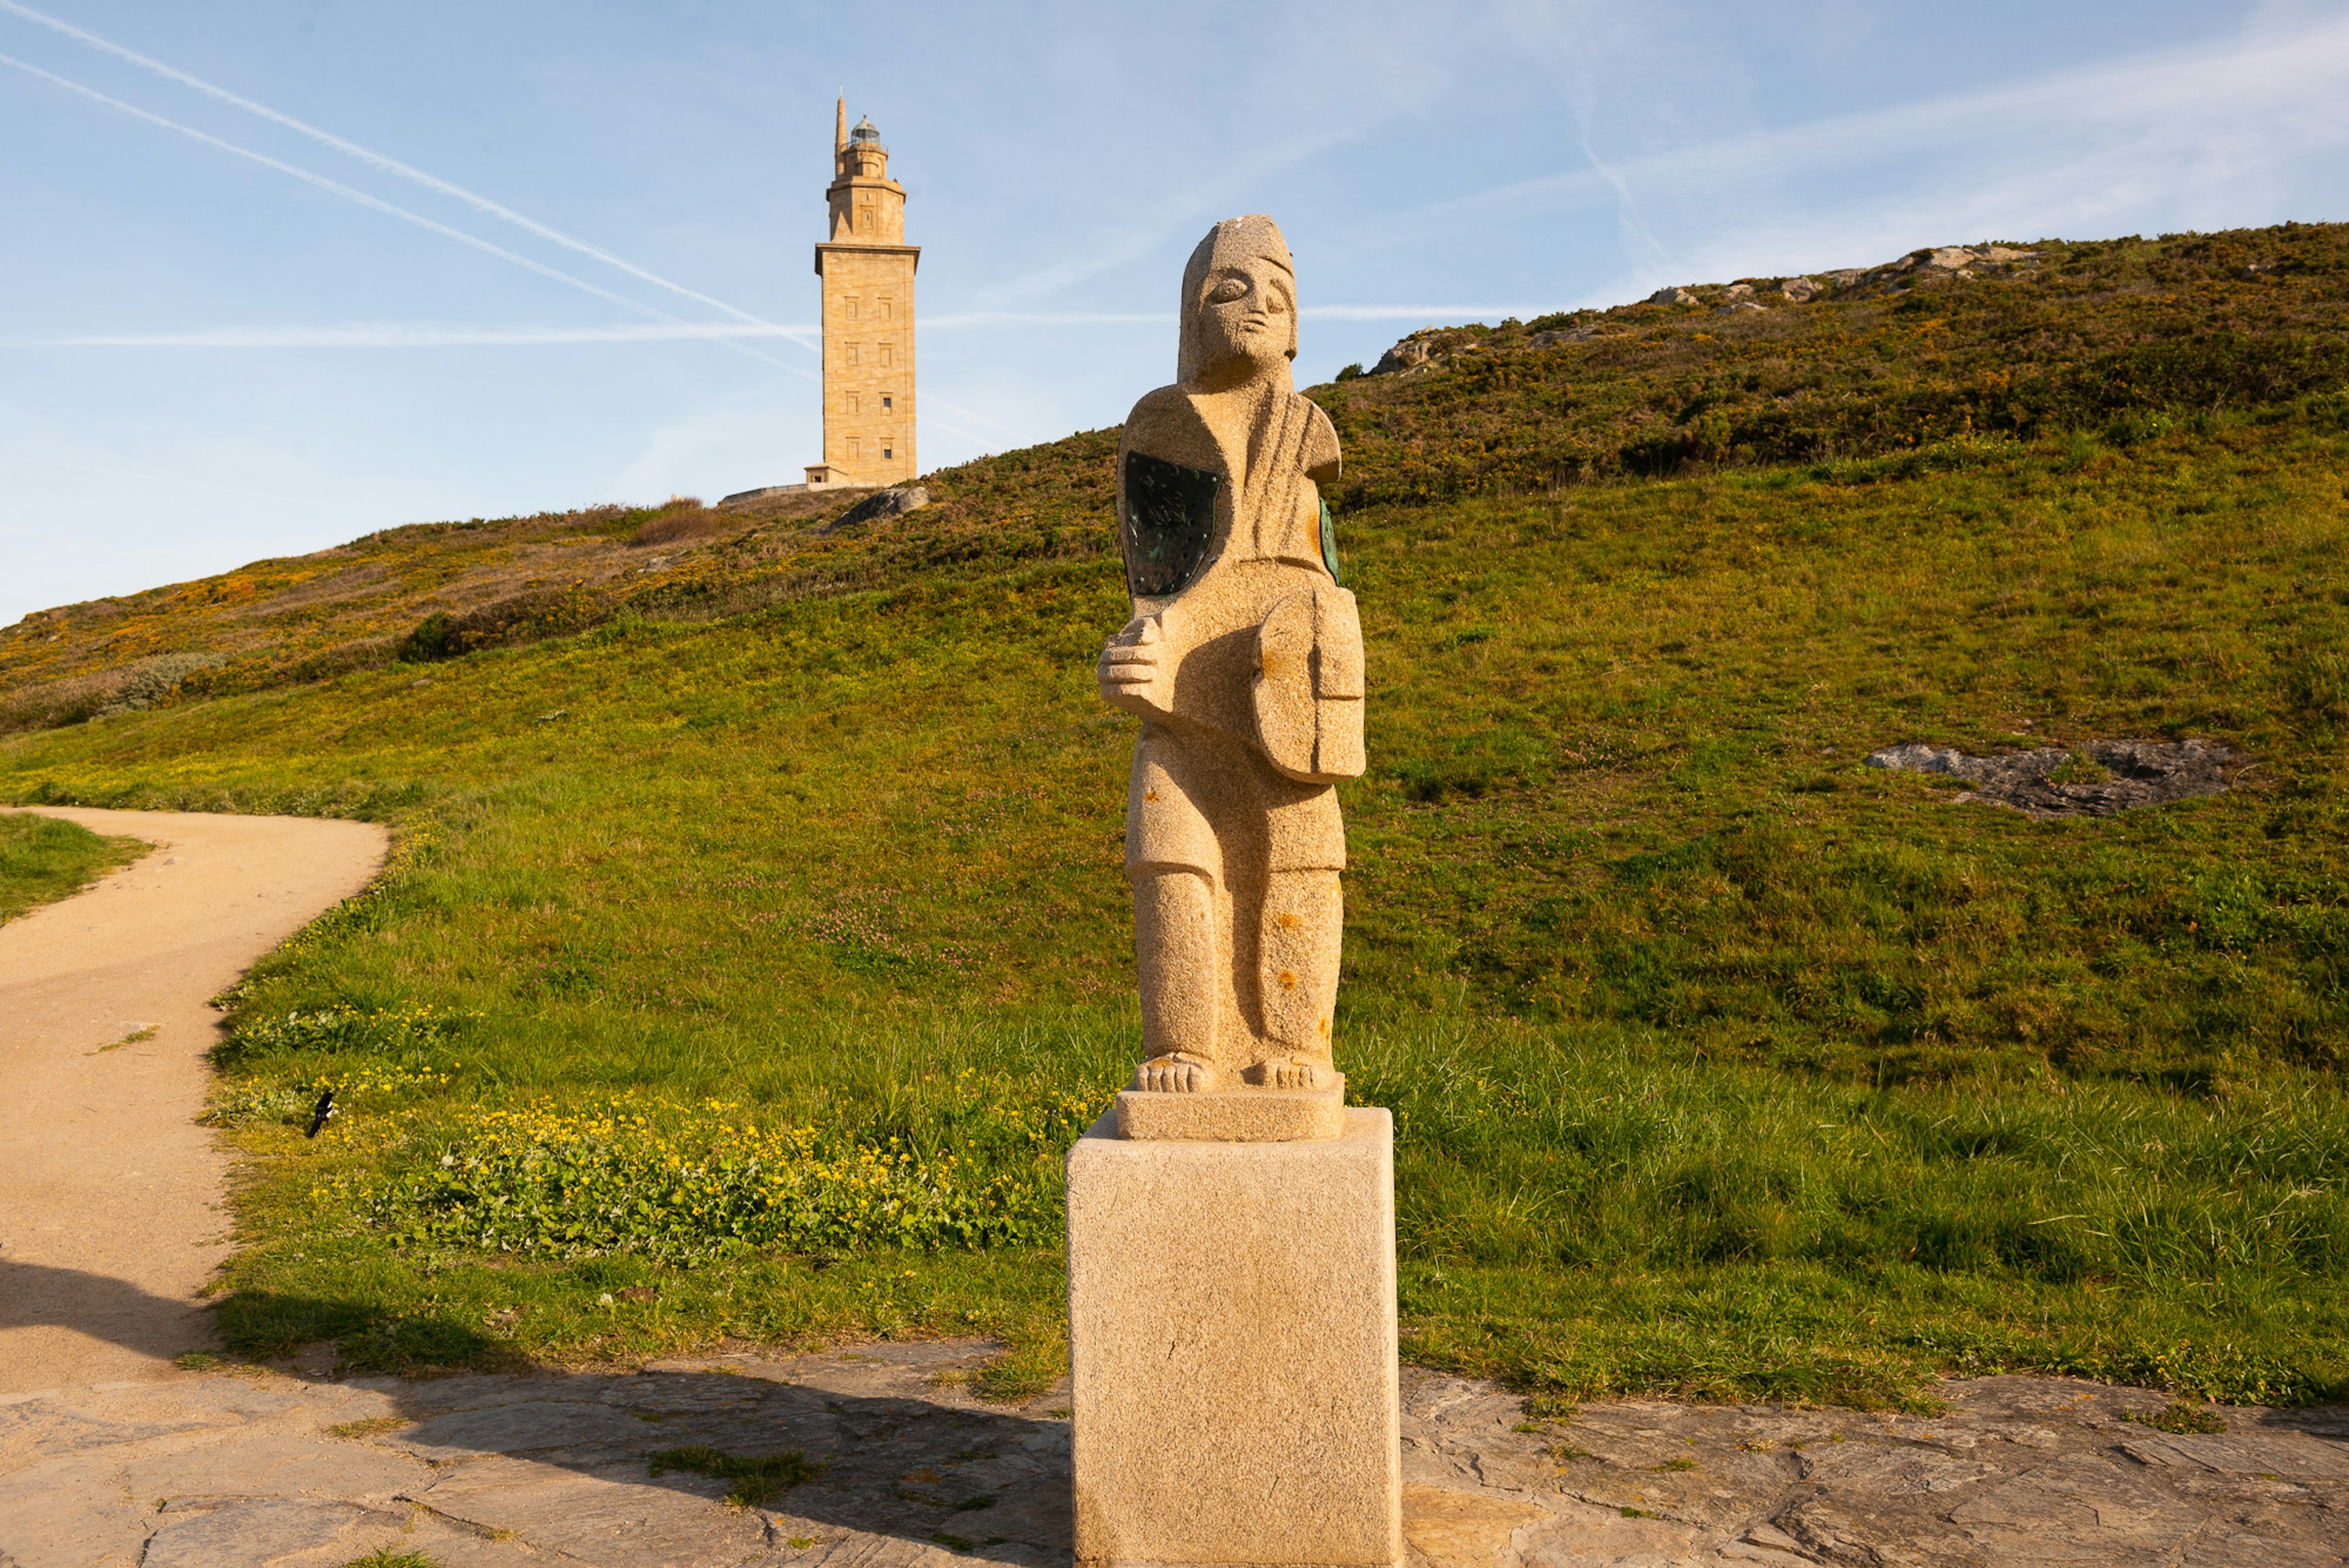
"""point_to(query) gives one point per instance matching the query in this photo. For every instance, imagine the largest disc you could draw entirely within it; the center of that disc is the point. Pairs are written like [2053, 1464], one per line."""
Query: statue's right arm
[1136, 669]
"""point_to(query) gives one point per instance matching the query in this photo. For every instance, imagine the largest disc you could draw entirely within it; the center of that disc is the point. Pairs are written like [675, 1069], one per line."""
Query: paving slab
[260, 1470]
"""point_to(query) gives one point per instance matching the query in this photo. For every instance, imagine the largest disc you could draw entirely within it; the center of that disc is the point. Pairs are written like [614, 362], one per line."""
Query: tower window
[886, 452]
[888, 354]
[856, 353]
[853, 405]
[851, 302]
[885, 402]
[886, 303]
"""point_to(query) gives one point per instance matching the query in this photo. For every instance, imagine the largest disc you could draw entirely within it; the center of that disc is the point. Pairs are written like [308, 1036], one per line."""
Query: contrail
[377, 204]
[368, 155]
[407, 334]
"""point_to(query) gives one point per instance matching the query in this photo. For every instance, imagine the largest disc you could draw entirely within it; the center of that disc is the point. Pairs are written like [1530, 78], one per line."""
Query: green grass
[1722, 1065]
[2122, 339]
[43, 859]
[755, 1481]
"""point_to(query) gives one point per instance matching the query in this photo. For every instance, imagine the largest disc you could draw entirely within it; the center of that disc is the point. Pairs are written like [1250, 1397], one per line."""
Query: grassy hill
[43, 859]
[756, 940]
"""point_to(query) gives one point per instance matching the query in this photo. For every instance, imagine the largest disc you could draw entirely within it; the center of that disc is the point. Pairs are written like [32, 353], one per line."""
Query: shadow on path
[896, 1459]
[39, 1295]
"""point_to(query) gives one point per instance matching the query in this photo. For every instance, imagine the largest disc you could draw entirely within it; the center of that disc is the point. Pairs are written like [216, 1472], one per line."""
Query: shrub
[679, 1184]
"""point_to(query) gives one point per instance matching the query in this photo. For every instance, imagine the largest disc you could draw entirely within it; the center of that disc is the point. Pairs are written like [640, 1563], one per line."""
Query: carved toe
[1289, 1072]
[1171, 1074]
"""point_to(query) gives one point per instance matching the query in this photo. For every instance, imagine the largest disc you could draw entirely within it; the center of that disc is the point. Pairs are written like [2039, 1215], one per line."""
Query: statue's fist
[1135, 672]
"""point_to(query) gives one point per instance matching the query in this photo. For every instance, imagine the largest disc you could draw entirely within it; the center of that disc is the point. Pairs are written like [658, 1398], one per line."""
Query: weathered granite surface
[2139, 773]
[1232, 1349]
[225, 1471]
[1244, 660]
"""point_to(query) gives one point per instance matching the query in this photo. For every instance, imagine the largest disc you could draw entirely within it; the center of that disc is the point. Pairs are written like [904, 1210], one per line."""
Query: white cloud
[439, 335]
[2071, 152]
[742, 439]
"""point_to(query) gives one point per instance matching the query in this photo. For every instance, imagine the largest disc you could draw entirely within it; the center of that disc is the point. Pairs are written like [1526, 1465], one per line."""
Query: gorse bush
[681, 1184]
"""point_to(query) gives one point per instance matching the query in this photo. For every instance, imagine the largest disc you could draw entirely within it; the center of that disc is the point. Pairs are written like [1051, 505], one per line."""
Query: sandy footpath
[110, 1193]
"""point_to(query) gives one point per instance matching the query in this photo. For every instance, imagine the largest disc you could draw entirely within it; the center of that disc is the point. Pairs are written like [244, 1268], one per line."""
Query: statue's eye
[1231, 288]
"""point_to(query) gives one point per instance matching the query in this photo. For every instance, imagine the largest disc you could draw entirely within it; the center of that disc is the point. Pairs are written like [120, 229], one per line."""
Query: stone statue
[1244, 658]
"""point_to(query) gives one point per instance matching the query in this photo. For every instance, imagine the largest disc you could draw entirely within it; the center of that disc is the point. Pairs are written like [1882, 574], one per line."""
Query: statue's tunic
[1202, 789]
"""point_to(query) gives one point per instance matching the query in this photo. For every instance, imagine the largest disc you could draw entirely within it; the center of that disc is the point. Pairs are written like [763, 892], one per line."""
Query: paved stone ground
[236, 1472]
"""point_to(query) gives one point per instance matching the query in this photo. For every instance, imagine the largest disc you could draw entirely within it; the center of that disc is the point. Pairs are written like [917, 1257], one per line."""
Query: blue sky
[311, 269]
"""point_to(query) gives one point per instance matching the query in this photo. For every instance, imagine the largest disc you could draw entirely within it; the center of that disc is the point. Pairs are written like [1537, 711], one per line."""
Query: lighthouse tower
[867, 270]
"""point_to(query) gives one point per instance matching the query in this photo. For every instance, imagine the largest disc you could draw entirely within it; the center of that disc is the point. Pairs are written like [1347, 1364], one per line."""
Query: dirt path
[110, 1194]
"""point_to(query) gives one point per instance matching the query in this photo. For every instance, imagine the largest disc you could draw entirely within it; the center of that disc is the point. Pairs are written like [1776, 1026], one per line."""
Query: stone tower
[868, 317]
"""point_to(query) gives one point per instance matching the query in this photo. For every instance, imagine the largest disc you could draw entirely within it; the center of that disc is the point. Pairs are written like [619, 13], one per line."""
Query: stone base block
[1232, 1349]
[1234, 1116]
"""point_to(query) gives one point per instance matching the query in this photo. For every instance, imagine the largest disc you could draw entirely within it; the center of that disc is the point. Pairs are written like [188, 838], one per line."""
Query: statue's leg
[1297, 955]
[1174, 950]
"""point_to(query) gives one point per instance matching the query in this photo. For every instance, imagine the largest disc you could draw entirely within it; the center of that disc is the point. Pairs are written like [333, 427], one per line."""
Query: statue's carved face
[1239, 304]
[1245, 314]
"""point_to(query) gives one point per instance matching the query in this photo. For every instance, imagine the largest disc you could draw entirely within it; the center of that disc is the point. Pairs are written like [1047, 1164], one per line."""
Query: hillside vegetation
[43, 859]
[756, 940]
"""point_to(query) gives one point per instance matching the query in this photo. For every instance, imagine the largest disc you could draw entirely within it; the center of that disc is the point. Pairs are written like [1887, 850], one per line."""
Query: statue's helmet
[1250, 244]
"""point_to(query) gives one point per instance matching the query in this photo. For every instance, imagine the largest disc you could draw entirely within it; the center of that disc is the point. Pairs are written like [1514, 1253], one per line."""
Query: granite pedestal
[1232, 1350]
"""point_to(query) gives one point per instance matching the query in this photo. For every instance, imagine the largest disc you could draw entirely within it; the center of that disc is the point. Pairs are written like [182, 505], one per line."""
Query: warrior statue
[1244, 658]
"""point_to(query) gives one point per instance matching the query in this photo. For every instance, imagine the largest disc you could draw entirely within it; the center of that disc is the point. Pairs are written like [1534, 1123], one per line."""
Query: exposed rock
[1801, 290]
[205, 1532]
[1739, 291]
[1408, 355]
[881, 505]
[1735, 305]
[1462, 1528]
[2138, 773]
[1950, 258]
[1566, 335]
[1674, 294]
[2002, 254]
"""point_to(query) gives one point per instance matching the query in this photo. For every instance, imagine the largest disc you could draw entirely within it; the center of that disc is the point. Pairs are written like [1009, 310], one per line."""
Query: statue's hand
[1136, 670]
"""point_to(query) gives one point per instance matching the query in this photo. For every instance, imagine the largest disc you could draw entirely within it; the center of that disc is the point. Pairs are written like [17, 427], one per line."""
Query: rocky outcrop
[1430, 347]
[1407, 354]
[1568, 335]
[880, 506]
[2096, 779]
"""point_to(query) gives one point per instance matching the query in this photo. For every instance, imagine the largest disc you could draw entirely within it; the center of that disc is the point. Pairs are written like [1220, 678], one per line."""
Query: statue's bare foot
[1173, 1074]
[1289, 1072]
